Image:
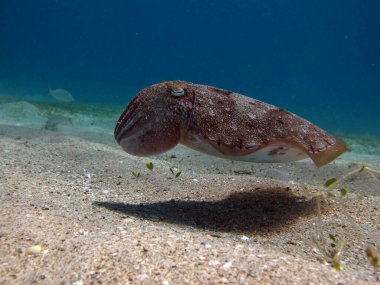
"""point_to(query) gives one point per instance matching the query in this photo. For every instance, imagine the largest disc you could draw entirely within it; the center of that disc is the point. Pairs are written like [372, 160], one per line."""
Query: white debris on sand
[245, 239]
[34, 250]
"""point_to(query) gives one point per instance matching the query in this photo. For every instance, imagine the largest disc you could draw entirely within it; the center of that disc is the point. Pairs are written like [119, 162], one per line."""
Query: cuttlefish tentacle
[220, 123]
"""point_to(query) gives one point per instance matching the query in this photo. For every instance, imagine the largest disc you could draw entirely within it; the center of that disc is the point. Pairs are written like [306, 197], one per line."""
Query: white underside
[276, 152]
[287, 153]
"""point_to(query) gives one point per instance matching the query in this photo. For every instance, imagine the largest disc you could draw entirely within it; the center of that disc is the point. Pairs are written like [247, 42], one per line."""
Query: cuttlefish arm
[220, 123]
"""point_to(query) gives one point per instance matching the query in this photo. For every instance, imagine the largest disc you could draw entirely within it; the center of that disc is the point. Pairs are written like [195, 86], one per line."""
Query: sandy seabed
[70, 191]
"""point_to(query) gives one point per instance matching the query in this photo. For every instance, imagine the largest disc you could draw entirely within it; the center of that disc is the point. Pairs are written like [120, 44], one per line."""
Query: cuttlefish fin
[324, 157]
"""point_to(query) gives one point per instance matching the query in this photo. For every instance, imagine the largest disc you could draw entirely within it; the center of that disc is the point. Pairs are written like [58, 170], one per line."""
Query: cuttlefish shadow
[259, 211]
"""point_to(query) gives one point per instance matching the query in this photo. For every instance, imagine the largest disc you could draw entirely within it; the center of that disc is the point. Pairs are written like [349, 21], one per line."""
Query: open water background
[319, 59]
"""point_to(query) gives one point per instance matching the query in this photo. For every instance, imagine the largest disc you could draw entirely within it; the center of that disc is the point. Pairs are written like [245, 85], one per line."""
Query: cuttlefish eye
[177, 92]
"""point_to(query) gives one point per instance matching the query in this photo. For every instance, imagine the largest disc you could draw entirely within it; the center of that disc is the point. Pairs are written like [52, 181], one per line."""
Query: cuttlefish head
[155, 119]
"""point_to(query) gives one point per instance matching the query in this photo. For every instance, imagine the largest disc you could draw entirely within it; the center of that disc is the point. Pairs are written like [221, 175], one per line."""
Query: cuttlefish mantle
[220, 123]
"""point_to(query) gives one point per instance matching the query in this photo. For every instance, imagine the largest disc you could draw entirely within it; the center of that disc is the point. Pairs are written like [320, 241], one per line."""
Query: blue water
[319, 59]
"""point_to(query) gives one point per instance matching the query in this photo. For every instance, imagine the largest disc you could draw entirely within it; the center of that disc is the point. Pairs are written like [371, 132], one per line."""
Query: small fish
[220, 123]
[61, 95]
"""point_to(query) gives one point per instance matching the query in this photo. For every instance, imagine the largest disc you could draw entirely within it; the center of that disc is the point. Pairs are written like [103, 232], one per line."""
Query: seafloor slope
[70, 190]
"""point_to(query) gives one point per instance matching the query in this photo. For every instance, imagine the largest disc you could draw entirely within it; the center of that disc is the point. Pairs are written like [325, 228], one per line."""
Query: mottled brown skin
[222, 123]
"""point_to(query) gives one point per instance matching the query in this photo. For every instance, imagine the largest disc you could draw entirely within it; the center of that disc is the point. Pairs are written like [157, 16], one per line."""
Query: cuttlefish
[220, 123]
